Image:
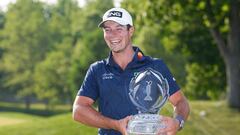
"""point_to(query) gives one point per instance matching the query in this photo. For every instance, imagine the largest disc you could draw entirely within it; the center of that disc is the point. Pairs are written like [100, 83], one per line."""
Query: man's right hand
[122, 125]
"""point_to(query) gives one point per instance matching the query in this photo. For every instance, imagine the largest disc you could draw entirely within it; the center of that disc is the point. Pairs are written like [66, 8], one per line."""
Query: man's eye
[107, 30]
[119, 29]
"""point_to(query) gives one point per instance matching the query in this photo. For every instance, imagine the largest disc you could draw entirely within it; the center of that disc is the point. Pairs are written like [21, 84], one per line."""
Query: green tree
[197, 81]
[52, 75]
[64, 20]
[25, 42]
[223, 20]
[2, 22]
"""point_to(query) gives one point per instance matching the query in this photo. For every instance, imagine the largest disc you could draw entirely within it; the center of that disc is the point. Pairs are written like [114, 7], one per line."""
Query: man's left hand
[172, 126]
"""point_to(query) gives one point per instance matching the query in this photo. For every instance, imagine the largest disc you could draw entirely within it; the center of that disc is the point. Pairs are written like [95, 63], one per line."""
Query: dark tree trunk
[230, 51]
[27, 102]
[233, 57]
[47, 106]
[233, 81]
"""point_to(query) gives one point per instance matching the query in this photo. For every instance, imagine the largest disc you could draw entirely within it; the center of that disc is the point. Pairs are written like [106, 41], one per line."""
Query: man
[108, 82]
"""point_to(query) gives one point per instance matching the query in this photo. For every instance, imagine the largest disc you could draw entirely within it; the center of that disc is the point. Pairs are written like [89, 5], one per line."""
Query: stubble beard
[119, 50]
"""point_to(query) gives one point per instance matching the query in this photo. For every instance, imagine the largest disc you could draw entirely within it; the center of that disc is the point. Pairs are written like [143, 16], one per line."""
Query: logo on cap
[115, 14]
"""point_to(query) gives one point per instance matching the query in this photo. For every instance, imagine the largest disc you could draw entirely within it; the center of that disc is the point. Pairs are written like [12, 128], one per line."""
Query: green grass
[218, 120]
[36, 109]
[34, 125]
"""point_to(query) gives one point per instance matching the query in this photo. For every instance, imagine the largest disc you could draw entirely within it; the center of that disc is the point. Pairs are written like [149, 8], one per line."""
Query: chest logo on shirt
[107, 76]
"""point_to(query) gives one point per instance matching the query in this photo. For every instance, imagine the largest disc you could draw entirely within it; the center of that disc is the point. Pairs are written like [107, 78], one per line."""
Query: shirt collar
[138, 57]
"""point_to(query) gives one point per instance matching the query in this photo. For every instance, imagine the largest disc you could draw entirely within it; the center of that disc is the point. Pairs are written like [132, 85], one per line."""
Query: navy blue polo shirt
[106, 82]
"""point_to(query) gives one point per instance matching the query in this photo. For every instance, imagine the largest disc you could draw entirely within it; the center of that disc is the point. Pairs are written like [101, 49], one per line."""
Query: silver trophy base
[144, 124]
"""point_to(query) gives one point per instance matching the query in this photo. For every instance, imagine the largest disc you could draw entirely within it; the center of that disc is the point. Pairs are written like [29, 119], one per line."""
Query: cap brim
[100, 25]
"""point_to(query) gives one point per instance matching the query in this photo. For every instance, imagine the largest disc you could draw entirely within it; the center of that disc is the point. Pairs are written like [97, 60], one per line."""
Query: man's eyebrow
[119, 25]
[105, 27]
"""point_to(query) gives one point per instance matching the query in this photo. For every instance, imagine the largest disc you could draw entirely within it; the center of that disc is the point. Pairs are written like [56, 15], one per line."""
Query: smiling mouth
[115, 42]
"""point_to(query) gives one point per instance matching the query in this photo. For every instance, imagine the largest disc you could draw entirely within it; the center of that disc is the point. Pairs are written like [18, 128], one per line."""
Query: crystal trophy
[149, 91]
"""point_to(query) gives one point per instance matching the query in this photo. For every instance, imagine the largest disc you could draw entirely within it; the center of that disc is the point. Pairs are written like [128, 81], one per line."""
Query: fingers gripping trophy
[149, 91]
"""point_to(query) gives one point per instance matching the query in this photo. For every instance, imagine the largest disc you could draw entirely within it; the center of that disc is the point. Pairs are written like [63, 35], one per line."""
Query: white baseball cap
[118, 15]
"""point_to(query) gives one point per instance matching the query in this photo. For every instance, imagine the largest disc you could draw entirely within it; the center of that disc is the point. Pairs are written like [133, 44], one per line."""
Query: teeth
[115, 41]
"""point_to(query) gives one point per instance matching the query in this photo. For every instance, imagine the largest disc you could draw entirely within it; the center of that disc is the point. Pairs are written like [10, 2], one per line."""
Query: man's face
[117, 36]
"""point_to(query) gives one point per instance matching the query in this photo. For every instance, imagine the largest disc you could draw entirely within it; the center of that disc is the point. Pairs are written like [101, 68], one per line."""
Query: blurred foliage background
[45, 49]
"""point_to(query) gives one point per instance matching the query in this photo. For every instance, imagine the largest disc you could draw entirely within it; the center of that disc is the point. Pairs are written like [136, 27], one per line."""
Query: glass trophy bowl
[149, 91]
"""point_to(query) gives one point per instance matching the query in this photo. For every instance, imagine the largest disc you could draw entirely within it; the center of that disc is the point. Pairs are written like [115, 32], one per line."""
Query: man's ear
[131, 30]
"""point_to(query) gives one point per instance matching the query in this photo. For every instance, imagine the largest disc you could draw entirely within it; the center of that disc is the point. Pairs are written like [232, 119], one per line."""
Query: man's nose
[114, 33]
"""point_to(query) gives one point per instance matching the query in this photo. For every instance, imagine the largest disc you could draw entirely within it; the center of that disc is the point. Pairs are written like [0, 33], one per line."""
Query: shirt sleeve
[89, 87]
[173, 86]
